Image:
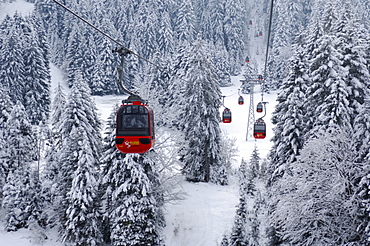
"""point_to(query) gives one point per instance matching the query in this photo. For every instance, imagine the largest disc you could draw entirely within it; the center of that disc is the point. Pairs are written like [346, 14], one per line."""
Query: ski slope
[207, 212]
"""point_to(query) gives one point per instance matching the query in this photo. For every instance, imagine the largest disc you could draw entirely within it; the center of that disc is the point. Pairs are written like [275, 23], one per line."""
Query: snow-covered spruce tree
[74, 57]
[36, 97]
[6, 104]
[6, 107]
[289, 117]
[18, 152]
[200, 121]
[222, 66]
[238, 234]
[248, 228]
[80, 114]
[352, 43]
[81, 226]
[318, 198]
[80, 110]
[287, 23]
[133, 219]
[11, 60]
[185, 22]
[337, 89]
[127, 181]
[110, 168]
[51, 171]
[147, 27]
[36, 89]
[234, 31]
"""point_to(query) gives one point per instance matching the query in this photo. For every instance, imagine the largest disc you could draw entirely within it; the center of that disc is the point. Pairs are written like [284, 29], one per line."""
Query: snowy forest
[61, 174]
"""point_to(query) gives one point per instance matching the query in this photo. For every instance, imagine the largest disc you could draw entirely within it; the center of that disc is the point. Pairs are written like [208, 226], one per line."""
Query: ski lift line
[109, 37]
[268, 41]
[231, 94]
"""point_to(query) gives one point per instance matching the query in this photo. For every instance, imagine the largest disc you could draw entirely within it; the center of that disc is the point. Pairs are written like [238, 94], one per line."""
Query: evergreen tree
[184, 23]
[134, 214]
[80, 110]
[6, 105]
[74, 58]
[288, 22]
[81, 225]
[289, 117]
[11, 60]
[352, 44]
[51, 174]
[37, 84]
[238, 234]
[5, 110]
[79, 115]
[18, 153]
[234, 33]
[200, 121]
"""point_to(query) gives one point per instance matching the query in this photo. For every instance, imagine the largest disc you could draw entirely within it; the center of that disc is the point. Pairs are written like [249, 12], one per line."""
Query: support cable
[268, 46]
[108, 36]
[123, 51]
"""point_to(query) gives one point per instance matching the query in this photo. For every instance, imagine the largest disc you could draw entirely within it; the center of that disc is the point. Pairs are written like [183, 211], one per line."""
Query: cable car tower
[251, 117]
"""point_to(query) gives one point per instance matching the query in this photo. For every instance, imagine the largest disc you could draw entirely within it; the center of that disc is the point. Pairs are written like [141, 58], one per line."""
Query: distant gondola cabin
[240, 100]
[259, 107]
[134, 128]
[260, 77]
[247, 59]
[259, 131]
[260, 33]
[250, 22]
[226, 116]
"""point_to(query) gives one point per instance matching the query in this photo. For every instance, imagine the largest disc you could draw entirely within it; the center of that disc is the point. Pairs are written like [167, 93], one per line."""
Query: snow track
[202, 218]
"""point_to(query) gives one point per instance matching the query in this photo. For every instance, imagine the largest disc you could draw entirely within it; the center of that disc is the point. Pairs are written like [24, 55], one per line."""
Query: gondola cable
[109, 37]
[268, 46]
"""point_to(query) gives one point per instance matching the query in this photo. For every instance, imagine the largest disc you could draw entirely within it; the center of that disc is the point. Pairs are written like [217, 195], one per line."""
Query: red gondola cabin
[226, 116]
[134, 127]
[247, 59]
[259, 107]
[250, 22]
[240, 100]
[259, 131]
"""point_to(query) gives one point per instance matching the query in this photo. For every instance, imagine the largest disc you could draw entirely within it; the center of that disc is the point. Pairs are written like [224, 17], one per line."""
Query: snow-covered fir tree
[79, 119]
[50, 173]
[200, 121]
[36, 98]
[6, 107]
[184, 27]
[81, 226]
[233, 31]
[130, 207]
[80, 110]
[133, 218]
[11, 60]
[289, 116]
[238, 234]
[18, 153]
